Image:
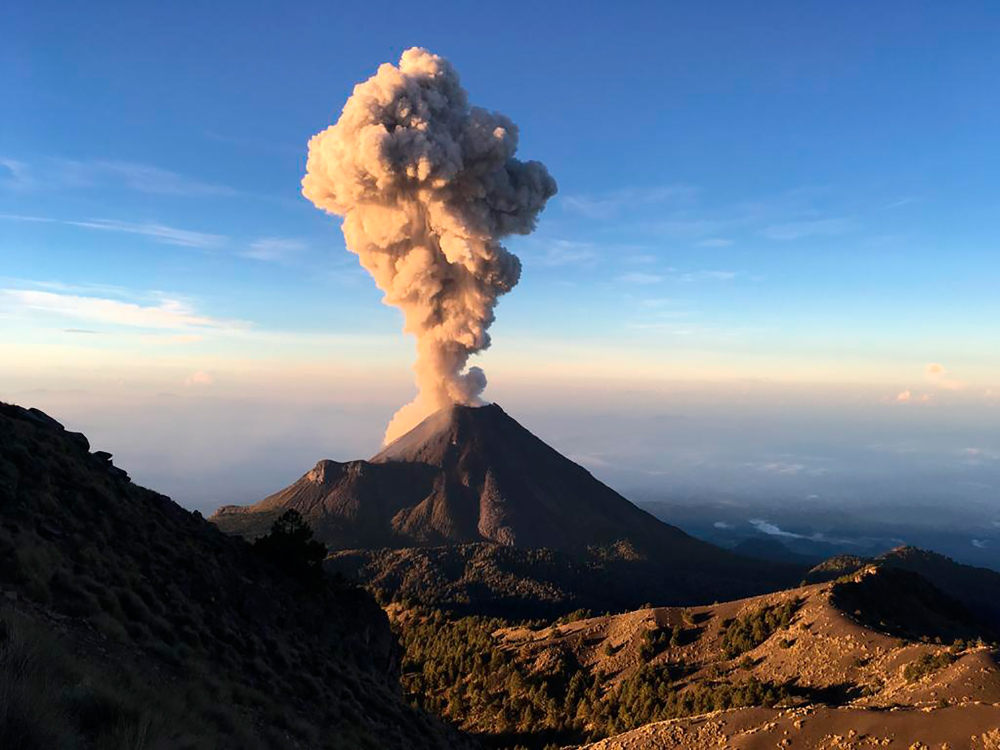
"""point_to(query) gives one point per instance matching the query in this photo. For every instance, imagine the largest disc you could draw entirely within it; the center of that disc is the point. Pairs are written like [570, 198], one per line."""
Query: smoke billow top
[427, 186]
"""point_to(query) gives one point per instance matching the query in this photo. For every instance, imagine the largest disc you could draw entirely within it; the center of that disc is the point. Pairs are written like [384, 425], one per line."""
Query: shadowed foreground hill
[469, 486]
[130, 622]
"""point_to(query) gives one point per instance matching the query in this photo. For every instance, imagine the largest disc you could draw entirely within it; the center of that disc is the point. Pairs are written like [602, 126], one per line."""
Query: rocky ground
[974, 727]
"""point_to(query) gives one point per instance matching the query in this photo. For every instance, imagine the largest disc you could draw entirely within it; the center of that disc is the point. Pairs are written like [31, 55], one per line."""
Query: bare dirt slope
[820, 728]
[823, 654]
[918, 673]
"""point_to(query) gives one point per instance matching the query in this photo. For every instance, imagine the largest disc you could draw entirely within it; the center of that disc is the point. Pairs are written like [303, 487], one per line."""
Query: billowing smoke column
[427, 185]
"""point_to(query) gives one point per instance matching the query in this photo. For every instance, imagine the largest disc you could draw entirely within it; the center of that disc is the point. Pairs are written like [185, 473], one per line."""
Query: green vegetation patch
[651, 695]
[751, 629]
[456, 669]
[928, 663]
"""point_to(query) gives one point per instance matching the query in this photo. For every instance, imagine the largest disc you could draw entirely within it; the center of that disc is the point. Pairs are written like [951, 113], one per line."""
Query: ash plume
[427, 186]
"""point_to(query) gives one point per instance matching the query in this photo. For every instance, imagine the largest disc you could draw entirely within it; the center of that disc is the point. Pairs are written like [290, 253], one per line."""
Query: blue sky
[829, 174]
[790, 195]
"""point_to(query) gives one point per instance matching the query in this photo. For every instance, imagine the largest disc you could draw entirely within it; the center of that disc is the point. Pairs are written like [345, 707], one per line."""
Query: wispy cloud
[161, 338]
[672, 274]
[805, 465]
[638, 277]
[909, 397]
[14, 174]
[275, 249]
[778, 467]
[641, 259]
[68, 174]
[159, 232]
[798, 204]
[707, 276]
[906, 201]
[802, 229]
[166, 313]
[658, 303]
[609, 205]
[253, 143]
[146, 178]
[714, 242]
[83, 288]
[566, 253]
[979, 456]
[772, 529]
[684, 228]
[940, 377]
[199, 379]
[766, 527]
[669, 325]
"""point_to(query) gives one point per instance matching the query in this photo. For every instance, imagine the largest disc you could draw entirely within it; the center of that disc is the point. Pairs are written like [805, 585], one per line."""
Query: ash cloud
[427, 186]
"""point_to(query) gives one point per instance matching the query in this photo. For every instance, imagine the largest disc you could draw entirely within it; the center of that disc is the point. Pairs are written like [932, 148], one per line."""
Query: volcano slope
[129, 622]
[806, 667]
[471, 510]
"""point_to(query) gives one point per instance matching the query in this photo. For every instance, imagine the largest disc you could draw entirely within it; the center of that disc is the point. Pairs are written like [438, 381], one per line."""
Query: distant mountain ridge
[768, 548]
[977, 588]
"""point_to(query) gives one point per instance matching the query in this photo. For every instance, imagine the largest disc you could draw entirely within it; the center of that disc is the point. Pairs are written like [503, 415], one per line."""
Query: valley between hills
[467, 587]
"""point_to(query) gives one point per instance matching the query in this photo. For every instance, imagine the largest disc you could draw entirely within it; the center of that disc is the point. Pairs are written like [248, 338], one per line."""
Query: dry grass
[50, 698]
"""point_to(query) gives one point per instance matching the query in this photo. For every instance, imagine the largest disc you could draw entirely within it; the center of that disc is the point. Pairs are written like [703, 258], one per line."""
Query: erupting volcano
[464, 474]
[474, 476]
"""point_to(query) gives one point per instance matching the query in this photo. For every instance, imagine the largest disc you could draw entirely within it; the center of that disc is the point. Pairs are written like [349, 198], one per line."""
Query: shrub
[290, 546]
[654, 640]
[928, 663]
[574, 616]
[753, 628]
[675, 636]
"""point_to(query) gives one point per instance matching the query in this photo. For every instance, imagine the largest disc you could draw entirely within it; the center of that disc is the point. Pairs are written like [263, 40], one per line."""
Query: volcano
[464, 474]
[470, 505]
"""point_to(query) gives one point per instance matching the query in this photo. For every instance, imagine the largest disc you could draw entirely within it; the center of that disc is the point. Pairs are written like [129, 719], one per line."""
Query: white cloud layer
[167, 314]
